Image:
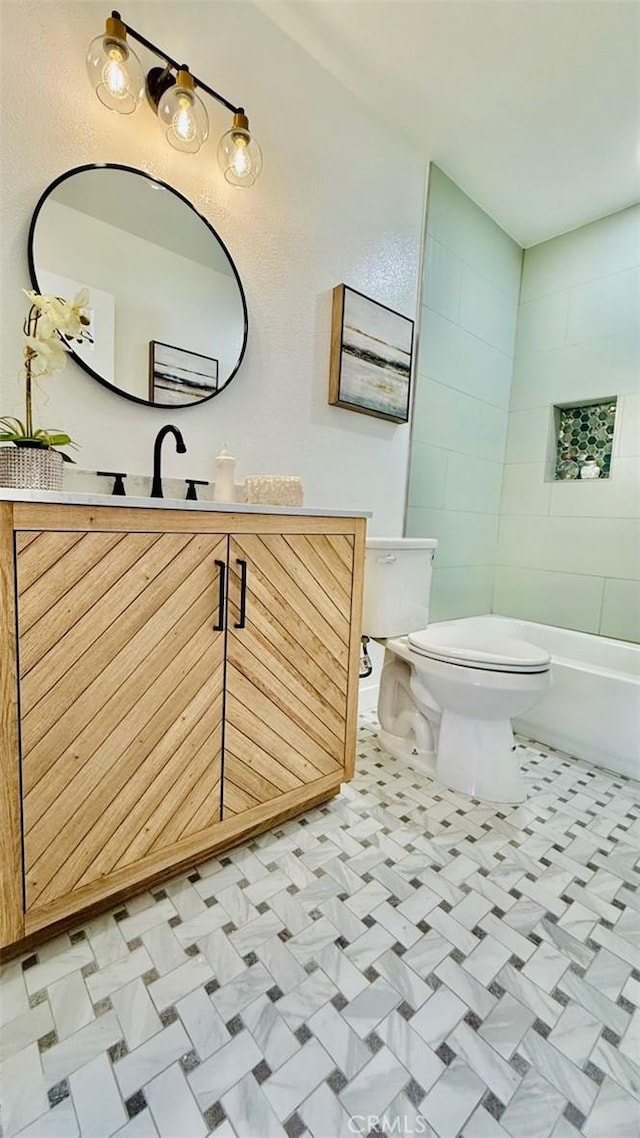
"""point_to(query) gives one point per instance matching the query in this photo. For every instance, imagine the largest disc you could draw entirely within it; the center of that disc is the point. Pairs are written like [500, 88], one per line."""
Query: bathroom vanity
[175, 677]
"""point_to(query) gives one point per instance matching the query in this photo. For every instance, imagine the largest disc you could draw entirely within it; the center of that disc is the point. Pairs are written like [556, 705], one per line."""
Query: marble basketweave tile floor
[403, 960]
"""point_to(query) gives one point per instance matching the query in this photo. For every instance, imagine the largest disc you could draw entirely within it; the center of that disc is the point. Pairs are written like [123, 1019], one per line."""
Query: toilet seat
[471, 649]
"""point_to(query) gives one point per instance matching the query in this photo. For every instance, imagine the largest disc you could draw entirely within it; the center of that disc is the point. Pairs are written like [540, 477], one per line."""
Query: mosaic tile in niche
[583, 432]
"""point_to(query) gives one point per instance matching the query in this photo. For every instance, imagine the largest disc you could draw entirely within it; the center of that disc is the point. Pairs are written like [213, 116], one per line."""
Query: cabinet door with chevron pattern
[121, 676]
[287, 664]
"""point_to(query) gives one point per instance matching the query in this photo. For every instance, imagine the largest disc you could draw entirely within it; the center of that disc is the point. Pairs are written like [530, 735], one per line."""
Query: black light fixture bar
[118, 80]
[172, 63]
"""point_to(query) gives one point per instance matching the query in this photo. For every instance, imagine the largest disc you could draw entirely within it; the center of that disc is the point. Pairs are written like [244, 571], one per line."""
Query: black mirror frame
[82, 363]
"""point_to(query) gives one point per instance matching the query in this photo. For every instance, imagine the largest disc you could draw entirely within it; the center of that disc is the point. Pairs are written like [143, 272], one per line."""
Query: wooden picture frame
[178, 376]
[371, 357]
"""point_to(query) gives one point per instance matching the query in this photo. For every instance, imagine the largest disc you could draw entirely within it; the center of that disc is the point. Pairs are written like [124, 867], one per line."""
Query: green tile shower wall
[568, 551]
[512, 538]
[465, 361]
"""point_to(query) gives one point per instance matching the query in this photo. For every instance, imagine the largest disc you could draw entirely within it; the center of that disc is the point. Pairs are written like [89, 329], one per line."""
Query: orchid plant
[50, 326]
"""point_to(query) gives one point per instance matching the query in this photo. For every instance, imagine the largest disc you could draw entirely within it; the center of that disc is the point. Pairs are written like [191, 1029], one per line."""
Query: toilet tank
[397, 583]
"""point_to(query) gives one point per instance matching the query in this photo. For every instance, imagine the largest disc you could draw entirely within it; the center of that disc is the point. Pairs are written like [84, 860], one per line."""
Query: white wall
[340, 199]
[569, 552]
[465, 359]
[158, 294]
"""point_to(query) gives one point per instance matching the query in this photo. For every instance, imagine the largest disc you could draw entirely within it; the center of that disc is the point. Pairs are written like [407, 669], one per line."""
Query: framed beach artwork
[371, 355]
[178, 376]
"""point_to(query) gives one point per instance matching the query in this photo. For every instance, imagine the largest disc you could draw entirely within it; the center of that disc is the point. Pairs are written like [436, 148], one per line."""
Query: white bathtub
[592, 709]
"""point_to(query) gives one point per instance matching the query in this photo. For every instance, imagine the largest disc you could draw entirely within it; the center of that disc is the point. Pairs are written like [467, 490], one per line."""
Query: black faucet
[156, 486]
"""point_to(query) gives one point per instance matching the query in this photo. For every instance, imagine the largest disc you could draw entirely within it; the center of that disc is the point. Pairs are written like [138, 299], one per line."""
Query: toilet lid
[473, 649]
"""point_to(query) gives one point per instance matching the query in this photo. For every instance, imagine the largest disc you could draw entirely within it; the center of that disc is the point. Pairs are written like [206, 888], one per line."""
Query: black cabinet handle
[243, 594]
[222, 566]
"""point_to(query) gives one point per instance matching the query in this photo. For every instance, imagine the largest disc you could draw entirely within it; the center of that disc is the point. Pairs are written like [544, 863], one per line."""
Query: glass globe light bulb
[114, 75]
[183, 122]
[239, 155]
[114, 70]
[240, 161]
[184, 115]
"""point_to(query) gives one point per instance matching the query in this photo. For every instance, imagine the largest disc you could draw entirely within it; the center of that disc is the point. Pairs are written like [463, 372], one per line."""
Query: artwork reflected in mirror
[177, 376]
[168, 312]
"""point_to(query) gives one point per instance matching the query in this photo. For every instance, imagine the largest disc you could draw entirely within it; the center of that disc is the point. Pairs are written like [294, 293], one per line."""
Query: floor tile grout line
[434, 827]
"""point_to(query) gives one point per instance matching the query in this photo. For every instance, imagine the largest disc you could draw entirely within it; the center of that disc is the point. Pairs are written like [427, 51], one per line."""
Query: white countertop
[75, 498]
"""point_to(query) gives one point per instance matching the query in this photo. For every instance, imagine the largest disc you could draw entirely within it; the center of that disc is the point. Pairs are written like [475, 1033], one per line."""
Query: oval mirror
[167, 308]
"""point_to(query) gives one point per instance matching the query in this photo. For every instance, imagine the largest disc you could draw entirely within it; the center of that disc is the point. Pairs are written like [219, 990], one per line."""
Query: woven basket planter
[30, 468]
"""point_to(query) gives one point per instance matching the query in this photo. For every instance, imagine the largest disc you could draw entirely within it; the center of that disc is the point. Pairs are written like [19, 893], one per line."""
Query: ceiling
[531, 106]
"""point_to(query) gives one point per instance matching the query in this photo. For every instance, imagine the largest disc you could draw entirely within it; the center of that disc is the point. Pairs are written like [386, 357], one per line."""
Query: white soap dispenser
[224, 489]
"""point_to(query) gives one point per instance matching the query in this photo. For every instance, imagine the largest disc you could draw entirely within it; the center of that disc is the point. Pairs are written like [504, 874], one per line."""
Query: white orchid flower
[51, 313]
[76, 320]
[64, 316]
[46, 355]
[50, 324]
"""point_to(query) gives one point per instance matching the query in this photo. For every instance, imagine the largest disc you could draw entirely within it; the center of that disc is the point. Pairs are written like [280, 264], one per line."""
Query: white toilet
[447, 691]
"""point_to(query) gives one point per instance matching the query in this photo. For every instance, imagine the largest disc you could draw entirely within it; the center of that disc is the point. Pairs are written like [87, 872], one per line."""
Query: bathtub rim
[615, 755]
[607, 643]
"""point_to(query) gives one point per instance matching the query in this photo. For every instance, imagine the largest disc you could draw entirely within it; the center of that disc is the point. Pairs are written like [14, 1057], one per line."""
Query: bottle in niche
[590, 468]
[567, 466]
[224, 482]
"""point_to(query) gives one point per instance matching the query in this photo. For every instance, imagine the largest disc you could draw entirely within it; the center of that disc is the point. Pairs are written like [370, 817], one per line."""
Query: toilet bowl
[480, 683]
[447, 692]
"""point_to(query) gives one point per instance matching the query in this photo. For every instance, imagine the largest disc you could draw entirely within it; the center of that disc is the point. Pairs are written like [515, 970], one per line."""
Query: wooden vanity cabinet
[287, 665]
[172, 681]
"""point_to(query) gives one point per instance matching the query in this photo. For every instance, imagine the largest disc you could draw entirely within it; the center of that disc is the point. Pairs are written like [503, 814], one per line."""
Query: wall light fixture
[118, 78]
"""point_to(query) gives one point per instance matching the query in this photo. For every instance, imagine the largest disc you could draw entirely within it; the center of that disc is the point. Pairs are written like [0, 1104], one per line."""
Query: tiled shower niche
[584, 438]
